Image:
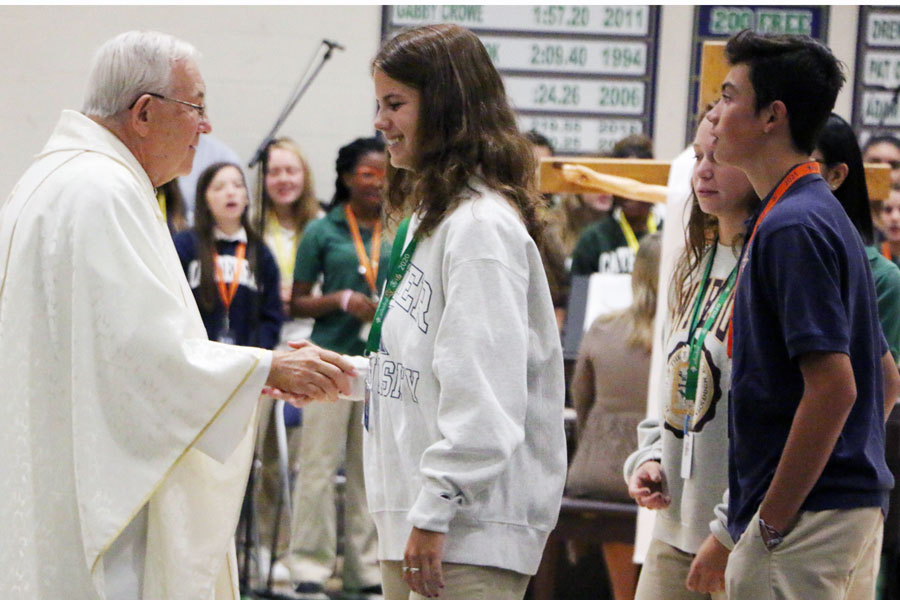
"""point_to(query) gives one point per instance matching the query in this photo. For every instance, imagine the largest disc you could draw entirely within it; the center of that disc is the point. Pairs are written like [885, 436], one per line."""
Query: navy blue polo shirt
[806, 287]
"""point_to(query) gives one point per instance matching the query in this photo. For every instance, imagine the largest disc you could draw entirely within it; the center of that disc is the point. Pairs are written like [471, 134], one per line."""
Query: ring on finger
[411, 569]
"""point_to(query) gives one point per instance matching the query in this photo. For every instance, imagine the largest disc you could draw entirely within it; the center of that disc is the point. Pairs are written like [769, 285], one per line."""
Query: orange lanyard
[228, 295]
[370, 266]
[794, 175]
[886, 251]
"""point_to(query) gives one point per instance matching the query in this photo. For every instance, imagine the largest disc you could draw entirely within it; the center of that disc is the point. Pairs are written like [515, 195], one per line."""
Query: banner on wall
[877, 85]
[721, 22]
[581, 75]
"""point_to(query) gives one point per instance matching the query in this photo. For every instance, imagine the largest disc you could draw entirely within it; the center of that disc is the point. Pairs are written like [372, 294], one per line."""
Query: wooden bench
[585, 520]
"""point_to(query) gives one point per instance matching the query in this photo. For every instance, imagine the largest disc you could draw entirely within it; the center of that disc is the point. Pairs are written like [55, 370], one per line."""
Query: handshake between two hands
[309, 373]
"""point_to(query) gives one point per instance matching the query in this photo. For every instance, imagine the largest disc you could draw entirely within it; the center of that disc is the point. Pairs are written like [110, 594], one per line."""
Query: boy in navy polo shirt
[812, 377]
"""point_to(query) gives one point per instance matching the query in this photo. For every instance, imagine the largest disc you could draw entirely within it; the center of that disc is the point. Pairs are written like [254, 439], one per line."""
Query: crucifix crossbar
[713, 68]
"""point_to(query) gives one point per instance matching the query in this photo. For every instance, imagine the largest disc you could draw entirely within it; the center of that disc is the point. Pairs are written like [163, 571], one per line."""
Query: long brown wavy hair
[466, 128]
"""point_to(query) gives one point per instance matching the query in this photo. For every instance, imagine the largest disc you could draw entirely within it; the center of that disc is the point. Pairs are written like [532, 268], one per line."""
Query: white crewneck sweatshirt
[465, 425]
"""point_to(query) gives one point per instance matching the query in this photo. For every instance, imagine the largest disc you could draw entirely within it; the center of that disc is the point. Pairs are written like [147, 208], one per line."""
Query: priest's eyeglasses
[200, 108]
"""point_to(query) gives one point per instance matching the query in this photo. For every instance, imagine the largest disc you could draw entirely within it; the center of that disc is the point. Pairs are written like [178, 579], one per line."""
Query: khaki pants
[461, 582]
[331, 431]
[828, 555]
[664, 574]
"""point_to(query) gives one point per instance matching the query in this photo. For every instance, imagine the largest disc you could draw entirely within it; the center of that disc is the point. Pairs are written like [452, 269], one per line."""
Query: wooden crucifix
[713, 68]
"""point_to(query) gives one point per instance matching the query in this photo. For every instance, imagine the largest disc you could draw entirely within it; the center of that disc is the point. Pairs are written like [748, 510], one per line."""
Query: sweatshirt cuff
[433, 511]
[718, 529]
[639, 457]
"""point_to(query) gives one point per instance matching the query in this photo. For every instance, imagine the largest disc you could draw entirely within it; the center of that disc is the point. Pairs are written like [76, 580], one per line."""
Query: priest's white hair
[131, 64]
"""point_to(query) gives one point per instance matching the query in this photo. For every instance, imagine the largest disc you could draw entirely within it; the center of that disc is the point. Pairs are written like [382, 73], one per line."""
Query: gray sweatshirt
[465, 427]
[693, 513]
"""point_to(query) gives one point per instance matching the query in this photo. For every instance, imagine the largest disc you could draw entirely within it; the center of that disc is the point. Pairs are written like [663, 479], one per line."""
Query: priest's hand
[308, 373]
[292, 399]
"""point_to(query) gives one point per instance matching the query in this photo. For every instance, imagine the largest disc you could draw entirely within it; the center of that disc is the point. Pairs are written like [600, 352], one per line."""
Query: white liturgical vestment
[109, 388]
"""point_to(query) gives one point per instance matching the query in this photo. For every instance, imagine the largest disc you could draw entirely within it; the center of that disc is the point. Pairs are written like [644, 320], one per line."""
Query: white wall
[842, 30]
[252, 59]
[673, 71]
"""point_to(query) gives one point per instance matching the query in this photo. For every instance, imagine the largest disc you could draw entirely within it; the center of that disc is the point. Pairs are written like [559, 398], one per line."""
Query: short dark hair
[347, 159]
[636, 145]
[884, 138]
[539, 139]
[795, 69]
[837, 143]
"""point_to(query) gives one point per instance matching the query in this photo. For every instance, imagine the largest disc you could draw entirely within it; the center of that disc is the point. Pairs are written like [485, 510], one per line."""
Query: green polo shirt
[327, 249]
[603, 248]
[887, 287]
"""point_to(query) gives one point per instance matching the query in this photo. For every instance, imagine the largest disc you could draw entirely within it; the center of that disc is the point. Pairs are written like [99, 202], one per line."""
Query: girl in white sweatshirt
[464, 446]
[679, 468]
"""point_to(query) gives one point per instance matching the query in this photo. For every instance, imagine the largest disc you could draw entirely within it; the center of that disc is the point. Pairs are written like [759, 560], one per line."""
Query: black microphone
[333, 45]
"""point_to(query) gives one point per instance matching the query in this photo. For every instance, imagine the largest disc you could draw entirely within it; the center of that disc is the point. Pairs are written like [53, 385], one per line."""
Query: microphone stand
[261, 157]
[298, 92]
[262, 152]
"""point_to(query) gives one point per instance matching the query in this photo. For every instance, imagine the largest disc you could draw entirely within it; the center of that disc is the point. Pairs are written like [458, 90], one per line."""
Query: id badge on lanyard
[400, 260]
[227, 336]
[695, 385]
[369, 397]
[226, 294]
[687, 449]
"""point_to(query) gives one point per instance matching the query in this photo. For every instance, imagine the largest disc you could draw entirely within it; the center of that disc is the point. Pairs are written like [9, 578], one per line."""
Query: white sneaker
[280, 573]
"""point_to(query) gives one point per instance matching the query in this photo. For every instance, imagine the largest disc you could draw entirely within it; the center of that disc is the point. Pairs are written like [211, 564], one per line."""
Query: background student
[239, 302]
[609, 394]
[838, 155]
[609, 245]
[678, 468]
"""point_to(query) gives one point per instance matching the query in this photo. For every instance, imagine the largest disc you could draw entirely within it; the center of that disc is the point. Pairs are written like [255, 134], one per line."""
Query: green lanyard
[697, 337]
[398, 268]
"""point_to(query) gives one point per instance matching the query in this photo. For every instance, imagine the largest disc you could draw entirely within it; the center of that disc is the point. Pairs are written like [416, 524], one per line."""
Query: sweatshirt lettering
[414, 297]
[395, 381]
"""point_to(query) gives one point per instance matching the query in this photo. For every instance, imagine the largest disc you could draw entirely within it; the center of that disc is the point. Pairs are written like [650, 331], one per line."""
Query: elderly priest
[125, 434]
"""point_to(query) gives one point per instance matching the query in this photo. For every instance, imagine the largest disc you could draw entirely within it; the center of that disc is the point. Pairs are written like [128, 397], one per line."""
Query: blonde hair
[305, 208]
